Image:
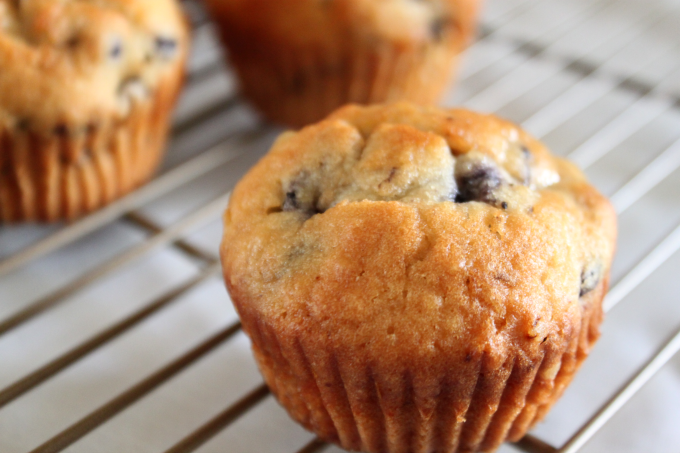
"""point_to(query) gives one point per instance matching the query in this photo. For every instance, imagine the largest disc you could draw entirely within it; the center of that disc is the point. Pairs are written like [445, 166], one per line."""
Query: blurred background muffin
[300, 59]
[86, 92]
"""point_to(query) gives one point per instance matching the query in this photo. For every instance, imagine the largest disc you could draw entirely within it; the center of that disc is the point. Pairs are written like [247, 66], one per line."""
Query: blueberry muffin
[298, 60]
[86, 92]
[416, 279]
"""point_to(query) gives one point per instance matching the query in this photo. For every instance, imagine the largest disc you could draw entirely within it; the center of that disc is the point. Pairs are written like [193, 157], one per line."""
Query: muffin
[416, 279]
[298, 60]
[86, 92]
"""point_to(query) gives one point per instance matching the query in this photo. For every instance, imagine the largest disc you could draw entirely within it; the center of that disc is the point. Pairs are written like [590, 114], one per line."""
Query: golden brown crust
[416, 279]
[298, 60]
[86, 93]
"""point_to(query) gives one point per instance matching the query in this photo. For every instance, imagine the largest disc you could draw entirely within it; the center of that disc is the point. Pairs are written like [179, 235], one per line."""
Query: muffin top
[310, 22]
[416, 229]
[70, 62]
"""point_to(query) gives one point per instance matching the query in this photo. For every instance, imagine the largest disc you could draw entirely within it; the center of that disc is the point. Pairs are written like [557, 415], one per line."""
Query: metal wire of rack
[102, 350]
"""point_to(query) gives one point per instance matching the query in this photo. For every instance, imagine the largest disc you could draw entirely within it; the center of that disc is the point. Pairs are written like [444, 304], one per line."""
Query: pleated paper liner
[298, 87]
[466, 406]
[75, 168]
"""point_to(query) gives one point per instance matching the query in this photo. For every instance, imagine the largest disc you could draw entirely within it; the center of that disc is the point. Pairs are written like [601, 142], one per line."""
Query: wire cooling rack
[116, 334]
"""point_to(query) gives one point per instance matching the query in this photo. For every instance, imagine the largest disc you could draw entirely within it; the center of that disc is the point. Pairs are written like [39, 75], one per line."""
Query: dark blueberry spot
[165, 47]
[437, 28]
[73, 42]
[116, 50]
[544, 340]
[297, 83]
[478, 184]
[291, 203]
[504, 205]
[590, 278]
[23, 124]
[61, 130]
[301, 196]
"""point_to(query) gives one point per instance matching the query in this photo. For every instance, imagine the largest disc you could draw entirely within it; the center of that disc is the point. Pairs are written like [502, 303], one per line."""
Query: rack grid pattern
[110, 337]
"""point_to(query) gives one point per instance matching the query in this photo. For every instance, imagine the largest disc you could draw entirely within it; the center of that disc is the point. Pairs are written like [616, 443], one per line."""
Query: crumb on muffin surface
[80, 62]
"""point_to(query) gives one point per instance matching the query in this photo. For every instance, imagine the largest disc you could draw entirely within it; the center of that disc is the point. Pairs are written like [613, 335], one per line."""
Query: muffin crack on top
[427, 170]
[417, 279]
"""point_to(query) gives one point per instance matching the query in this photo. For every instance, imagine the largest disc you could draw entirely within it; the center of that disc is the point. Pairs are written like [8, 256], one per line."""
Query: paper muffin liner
[297, 86]
[473, 407]
[77, 168]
